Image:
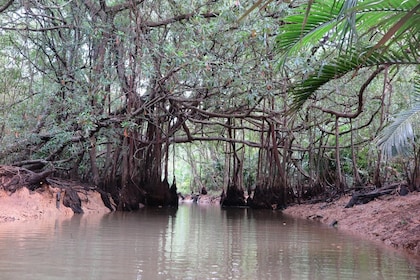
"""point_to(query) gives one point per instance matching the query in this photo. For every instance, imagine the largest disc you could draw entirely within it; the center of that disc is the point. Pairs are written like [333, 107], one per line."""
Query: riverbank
[24, 204]
[391, 219]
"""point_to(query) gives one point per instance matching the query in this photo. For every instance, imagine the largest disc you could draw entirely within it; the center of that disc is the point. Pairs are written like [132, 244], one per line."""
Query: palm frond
[342, 21]
[391, 28]
[346, 63]
[349, 31]
[396, 138]
[399, 137]
[303, 29]
[405, 23]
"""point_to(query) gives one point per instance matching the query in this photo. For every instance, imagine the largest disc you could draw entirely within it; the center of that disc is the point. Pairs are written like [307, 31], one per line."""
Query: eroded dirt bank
[42, 203]
[392, 219]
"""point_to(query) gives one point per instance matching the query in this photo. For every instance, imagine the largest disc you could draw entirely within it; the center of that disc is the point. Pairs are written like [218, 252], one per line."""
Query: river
[193, 242]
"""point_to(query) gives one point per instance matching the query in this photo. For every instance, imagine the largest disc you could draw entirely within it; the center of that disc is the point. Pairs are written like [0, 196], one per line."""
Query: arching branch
[5, 6]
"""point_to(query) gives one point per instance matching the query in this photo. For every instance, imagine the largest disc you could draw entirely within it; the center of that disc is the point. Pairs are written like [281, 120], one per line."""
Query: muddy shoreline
[393, 220]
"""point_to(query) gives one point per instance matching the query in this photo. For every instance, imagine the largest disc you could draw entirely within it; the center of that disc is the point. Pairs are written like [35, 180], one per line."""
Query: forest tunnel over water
[255, 102]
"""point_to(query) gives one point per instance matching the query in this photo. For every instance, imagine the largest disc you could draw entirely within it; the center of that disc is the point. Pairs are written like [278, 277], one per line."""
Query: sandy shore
[392, 219]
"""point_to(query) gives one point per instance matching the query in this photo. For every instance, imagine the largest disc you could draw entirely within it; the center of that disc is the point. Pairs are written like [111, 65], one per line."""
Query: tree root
[13, 178]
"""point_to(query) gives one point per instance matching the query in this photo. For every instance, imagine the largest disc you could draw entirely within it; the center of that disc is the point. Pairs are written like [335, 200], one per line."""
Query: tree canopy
[282, 99]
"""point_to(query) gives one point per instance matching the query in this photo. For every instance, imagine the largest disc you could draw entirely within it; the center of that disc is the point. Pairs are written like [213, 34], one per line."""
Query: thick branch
[5, 6]
[65, 26]
[214, 138]
[360, 99]
[178, 18]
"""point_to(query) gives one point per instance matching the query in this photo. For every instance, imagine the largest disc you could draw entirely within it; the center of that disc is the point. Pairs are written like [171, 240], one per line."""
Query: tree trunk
[93, 165]
[339, 183]
[416, 170]
[270, 193]
[377, 173]
[197, 184]
[234, 195]
[356, 177]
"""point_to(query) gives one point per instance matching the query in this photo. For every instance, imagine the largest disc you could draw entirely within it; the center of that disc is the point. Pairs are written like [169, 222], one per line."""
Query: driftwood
[359, 198]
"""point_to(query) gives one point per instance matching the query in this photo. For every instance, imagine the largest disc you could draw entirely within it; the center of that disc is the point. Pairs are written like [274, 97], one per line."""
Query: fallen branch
[359, 198]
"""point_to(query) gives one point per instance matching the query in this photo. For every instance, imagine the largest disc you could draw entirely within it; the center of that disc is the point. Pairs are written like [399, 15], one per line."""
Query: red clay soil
[392, 219]
[30, 205]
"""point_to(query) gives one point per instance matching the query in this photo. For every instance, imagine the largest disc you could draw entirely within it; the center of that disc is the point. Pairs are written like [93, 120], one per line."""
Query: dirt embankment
[29, 205]
[392, 219]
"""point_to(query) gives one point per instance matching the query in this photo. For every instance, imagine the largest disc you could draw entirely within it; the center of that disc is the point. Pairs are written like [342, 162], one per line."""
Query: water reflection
[192, 242]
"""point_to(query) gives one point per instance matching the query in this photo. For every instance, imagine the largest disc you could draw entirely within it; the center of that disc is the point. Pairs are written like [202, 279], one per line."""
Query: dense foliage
[281, 99]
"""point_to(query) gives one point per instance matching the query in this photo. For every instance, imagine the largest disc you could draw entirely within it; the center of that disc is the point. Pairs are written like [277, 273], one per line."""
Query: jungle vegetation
[285, 100]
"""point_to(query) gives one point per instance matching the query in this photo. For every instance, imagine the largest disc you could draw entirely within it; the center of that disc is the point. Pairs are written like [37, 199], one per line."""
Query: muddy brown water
[193, 242]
